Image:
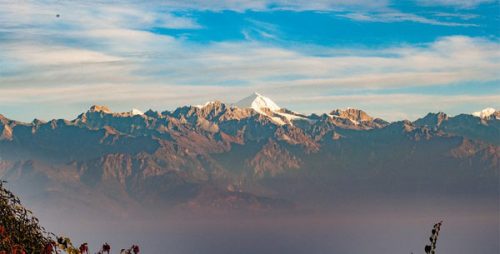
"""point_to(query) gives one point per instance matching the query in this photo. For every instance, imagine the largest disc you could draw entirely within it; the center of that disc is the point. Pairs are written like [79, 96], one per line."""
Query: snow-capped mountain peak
[204, 105]
[487, 112]
[262, 105]
[135, 111]
[265, 106]
[257, 102]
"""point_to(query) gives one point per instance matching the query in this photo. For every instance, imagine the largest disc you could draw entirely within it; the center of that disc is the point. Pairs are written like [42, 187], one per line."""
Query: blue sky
[393, 59]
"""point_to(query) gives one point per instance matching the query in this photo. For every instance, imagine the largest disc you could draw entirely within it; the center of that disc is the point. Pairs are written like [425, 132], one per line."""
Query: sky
[394, 59]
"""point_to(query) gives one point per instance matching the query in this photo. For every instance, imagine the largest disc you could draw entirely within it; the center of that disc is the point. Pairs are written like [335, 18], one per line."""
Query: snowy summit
[257, 102]
[269, 108]
[484, 113]
[135, 111]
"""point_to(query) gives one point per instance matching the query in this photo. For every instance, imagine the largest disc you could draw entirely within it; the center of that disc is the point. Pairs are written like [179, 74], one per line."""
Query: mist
[379, 227]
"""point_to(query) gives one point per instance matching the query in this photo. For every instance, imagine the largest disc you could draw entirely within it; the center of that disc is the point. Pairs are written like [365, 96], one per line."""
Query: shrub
[21, 233]
[431, 249]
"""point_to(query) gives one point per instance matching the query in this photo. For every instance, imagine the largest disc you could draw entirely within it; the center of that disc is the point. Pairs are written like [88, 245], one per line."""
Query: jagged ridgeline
[252, 155]
[20, 231]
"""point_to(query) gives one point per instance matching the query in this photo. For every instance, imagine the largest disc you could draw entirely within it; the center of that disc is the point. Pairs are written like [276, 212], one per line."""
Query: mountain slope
[252, 155]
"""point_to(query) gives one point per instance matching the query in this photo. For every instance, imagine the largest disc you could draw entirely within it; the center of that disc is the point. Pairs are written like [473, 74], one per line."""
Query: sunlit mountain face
[218, 165]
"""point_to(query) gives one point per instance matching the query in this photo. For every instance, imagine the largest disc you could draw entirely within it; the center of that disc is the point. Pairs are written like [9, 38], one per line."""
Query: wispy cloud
[46, 55]
[463, 16]
[455, 3]
[395, 16]
[262, 5]
[359, 10]
[260, 30]
[90, 14]
[174, 74]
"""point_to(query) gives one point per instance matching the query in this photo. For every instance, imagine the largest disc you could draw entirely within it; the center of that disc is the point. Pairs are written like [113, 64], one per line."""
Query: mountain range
[248, 156]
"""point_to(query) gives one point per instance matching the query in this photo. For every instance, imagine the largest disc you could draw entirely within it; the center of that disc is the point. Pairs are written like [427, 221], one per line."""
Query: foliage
[20, 232]
[431, 249]
[132, 250]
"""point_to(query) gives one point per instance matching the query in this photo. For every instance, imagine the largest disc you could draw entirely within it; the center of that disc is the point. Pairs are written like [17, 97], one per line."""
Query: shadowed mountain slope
[251, 155]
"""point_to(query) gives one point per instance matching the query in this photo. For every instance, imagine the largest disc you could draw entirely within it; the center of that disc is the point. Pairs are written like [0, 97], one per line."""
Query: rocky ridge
[251, 155]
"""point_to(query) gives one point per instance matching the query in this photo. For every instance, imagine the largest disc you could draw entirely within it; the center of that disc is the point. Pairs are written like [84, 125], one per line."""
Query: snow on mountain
[266, 106]
[204, 105]
[135, 111]
[484, 113]
[291, 116]
[257, 102]
[261, 104]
